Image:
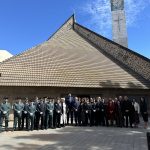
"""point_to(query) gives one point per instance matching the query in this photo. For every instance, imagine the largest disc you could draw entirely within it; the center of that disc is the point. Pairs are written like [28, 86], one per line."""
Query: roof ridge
[69, 21]
[133, 60]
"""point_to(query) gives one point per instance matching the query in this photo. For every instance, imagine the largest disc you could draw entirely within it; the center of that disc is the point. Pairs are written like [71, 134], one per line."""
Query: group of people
[44, 113]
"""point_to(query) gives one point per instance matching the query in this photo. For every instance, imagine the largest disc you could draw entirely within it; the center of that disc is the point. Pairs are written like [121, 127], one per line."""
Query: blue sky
[26, 23]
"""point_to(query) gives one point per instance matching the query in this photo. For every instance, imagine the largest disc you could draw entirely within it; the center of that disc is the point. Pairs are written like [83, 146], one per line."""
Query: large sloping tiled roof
[70, 59]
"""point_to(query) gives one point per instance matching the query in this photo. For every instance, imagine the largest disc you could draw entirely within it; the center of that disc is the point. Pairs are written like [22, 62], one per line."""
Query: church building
[79, 61]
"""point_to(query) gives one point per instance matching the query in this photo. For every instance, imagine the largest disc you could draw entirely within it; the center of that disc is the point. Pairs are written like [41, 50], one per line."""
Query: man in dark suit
[121, 101]
[69, 102]
[102, 112]
[87, 110]
[57, 113]
[93, 111]
[127, 110]
[36, 101]
[98, 111]
[41, 108]
[76, 104]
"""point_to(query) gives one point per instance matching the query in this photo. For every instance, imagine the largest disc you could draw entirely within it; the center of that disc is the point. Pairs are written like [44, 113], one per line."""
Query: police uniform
[18, 108]
[25, 115]
[5, 109]
[49, 114]
[31, 109]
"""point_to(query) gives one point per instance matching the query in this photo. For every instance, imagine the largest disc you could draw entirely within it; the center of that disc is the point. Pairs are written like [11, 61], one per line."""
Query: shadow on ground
[80, 138]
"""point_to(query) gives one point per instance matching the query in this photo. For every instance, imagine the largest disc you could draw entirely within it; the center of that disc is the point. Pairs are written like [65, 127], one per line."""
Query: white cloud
[133, 10]
[99, 12]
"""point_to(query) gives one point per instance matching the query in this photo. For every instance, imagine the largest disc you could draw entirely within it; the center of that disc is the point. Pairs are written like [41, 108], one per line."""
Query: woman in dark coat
[143, 109]
[111, 112]
[81, 116]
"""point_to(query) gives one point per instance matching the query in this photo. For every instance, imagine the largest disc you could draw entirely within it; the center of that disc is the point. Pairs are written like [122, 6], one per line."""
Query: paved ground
[76, 138]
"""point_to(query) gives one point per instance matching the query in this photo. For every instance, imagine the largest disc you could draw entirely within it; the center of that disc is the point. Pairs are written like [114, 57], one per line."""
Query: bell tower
[119, 30]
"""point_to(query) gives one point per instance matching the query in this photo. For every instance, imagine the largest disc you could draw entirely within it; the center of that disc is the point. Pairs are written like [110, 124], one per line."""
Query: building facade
[79, 61]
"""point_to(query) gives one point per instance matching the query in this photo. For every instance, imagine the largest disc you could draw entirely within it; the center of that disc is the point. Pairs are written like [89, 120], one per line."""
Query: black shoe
[14, 129]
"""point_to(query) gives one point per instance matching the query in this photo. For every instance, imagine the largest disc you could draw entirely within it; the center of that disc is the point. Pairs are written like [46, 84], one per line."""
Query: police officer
[31, 109]
[5, 109]
[24, 114]
[18, 108]
[49, 113]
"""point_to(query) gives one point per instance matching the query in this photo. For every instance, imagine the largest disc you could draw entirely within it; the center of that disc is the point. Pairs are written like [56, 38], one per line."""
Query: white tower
[119, 22]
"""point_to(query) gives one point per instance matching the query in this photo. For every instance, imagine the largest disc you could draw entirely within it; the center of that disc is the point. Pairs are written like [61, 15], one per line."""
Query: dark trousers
[119, 119]
[102, 118]
[36, 120]
[79, 118]
[30, 122]
[49, 120]
[17, 119]
[93, 118]
[97, 117]
[128, 117]
[76, 117]
[122, 120]
[42, 118]
[88, 118]
[57, 119]
[2, 117]
[70, 114]
[24, 117]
